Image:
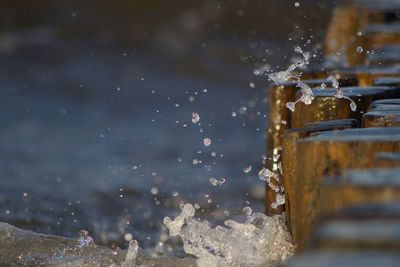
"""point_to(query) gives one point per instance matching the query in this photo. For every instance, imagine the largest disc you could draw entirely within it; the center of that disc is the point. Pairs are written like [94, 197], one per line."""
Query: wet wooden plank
[383, 56]
[356, 187]
[367, 211]
[382, 118]
[331, 153]
[326, 106]
[342, 39]
[382, 34]
[367, 75]
[290, 139]
[278, 121]
[377, 234]
[387, 81]
[387, 160]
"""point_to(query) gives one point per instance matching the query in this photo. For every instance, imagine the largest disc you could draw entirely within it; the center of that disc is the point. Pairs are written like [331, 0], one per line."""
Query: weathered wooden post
[387, 160]
[330, 153]
[381, 118]
[359, 187]
[383, 56]
[289, 157]
[371, 234]
[382, 34]
[367, 75]
[342, 38]
[388, 81]
[279, 120]
[326, 106]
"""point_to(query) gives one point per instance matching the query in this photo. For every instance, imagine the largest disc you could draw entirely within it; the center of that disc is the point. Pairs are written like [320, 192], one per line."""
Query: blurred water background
[96, 103]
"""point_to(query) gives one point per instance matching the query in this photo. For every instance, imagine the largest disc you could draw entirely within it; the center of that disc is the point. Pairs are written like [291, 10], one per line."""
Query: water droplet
[195, 117]
[242, 110]
[265, 175]
[247, 169]
[252, 85]
[216, 182]
[353, 105]
[207, 141]
[335, 82]
[296, 4]
[247, 210]
[128, 237]
[154, 190]
[291, 106]
[359, 49]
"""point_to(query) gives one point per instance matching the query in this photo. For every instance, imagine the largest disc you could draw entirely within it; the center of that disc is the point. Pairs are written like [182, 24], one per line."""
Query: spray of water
[258, 241]
[307, 95]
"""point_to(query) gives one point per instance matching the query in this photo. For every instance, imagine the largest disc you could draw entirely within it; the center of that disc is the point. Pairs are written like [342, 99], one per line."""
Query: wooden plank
[279, 120]
[342, 39]
[382, 118]
[359, 187]
[326, 106]
[330, 153]
[387, 160]
[290, 139]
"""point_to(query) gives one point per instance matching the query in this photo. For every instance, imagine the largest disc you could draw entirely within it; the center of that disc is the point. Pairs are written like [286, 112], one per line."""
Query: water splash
[84, 239]
[216, 182]
[259, 241]
[290, 73]
[339, 93]
[307, 95]
[274, 182]
[131, 254]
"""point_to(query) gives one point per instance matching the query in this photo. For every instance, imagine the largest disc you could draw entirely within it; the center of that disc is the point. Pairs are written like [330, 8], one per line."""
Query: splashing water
[131, 254]
[307, 95]
[339, 93]
[289, 74]
[274, 183]
[216, 182]
[247, 210]
[84, 239]
[259, 241]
